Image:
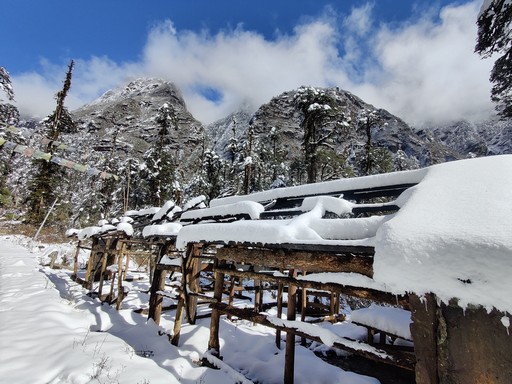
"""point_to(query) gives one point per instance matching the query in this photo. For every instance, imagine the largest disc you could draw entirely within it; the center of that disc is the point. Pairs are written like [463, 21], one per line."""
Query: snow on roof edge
[384, 179]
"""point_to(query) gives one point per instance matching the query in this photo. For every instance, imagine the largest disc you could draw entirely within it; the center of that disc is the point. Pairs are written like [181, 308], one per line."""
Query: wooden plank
[360, 292]
[310, 261]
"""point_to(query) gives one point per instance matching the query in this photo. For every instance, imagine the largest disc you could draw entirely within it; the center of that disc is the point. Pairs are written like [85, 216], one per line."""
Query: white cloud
[422, 70]
[428, 71]
[242, 65]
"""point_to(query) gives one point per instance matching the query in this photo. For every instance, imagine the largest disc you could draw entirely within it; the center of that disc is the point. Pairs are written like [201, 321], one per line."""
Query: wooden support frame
[399, 359]
[363, 293]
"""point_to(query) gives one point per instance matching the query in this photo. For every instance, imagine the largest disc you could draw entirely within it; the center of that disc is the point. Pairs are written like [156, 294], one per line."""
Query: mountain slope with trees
[144, 135]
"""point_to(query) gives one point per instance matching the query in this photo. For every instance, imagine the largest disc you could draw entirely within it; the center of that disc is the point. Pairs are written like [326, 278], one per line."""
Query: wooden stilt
[157, 285]
[232, 283]
[303, 308]
[75, 260]
[111, 294]
[257, 295]
[89, 275]
[120, 291]
[279, 312]
[290, 338]
[213, 342]
[177, 320]
[102, 273]
[156, 299]
[127, 262]
[190, 282]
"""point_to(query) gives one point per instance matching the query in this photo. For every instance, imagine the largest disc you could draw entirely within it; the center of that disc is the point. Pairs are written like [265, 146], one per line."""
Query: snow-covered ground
[51, 332]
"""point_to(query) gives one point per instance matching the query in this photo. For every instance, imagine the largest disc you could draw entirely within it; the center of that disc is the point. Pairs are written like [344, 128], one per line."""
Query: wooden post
[89, 275]
[177, 320]
[232, 284]
[279, 312]
[425, 333]
[257, 295]
[290, 337]
[120, 291]
[213, 342]
[127, 265]
[102, 273]
[111, 294]
[303, 308]
[190, 282]
[156, 299]
[157, 284]
[75, 260]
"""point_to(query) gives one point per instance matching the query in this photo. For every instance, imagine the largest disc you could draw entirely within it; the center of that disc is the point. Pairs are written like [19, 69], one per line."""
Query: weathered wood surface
[310, 261]
[156, 299]
[474, 346]
[424, 333]
[360, 292]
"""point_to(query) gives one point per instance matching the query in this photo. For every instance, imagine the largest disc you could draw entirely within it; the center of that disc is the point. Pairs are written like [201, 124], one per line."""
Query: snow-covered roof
[166, 229]
[453, 235]
[304, 229]
[328, 187]
[249, 208]
[454, 227]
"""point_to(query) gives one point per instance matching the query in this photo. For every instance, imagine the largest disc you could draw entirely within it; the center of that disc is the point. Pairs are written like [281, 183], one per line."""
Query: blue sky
[413, 58]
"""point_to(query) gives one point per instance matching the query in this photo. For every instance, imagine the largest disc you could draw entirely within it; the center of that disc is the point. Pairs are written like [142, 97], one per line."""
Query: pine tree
[8, 115]
[319, 108]
[368, 120]
[160, 160]
[49, 181]
[494, 24]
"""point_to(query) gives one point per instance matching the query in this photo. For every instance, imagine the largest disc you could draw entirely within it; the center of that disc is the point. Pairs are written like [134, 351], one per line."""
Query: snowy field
[52, 332]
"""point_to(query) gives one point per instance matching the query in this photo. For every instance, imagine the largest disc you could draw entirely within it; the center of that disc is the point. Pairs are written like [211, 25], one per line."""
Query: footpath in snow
[51, 332]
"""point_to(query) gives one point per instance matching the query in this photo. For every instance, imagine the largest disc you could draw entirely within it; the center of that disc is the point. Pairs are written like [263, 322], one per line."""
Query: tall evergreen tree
[494, 24]
[160, 161]
[48, 183]
[8, 115]
[319, 108]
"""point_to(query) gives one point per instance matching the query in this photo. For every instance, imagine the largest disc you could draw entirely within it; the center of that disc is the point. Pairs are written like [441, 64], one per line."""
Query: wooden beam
[310, 261]
[363, 293]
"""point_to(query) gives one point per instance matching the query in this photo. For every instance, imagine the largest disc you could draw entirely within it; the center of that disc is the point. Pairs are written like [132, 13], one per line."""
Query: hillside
[303, 134]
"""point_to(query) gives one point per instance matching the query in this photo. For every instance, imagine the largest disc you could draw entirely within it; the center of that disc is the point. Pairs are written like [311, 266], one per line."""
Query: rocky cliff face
[487, 138]
[124, 120]
[280, 123]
